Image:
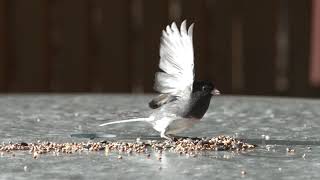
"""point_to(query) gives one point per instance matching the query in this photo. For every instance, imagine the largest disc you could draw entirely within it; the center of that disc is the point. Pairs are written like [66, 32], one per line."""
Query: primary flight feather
[176, 61]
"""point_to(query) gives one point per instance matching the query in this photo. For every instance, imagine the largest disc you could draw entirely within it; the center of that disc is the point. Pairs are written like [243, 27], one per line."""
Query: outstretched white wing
[176, 61]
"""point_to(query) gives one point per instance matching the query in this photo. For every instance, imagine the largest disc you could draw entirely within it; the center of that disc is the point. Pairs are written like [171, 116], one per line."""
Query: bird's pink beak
[215, 92]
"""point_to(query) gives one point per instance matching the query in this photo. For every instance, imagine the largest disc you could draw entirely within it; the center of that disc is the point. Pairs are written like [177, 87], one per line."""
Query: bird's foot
[169, 137]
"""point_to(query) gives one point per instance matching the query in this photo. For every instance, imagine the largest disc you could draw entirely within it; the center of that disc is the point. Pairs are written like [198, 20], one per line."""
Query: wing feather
[176, 61]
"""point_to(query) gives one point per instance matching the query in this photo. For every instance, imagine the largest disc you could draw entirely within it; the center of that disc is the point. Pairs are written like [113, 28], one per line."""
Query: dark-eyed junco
[182, 101]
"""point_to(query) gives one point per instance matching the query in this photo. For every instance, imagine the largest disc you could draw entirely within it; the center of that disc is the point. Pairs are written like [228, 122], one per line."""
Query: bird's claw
[169, 137]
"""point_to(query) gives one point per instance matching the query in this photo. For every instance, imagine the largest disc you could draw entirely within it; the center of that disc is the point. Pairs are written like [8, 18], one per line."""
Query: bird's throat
[198, 106]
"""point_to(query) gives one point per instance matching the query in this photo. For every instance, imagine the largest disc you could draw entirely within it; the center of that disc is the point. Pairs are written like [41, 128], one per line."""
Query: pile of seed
[220, 143]
[181, 145]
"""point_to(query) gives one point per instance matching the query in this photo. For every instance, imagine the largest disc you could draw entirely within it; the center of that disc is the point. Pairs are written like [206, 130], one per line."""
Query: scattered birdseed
[268, 147]
[35, 155]
[267, 137]
[25, 168]
[290, 150]
[187, 146]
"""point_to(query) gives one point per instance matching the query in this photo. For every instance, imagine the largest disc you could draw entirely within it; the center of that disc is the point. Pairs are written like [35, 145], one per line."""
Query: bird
[182, 101]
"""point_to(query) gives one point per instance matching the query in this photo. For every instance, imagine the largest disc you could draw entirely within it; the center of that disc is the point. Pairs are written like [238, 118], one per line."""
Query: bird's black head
[200, 99]
[205, 87]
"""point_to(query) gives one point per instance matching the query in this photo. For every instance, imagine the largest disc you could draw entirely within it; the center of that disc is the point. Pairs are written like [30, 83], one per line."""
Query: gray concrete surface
[292, 123]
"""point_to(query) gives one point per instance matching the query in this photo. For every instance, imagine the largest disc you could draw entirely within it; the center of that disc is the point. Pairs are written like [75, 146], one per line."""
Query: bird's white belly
[173, 126]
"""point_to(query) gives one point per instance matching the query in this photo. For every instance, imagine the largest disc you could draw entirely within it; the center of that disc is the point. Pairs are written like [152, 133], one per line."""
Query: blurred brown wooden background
[245, 47]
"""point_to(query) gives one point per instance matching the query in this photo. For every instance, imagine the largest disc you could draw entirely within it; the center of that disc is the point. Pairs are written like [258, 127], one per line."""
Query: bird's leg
[164, 135]
[169, 137]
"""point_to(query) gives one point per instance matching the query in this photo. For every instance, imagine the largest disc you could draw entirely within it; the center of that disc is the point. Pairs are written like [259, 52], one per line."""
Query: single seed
[35, 155]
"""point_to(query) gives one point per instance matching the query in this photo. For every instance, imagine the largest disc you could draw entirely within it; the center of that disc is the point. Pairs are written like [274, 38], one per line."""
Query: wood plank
[136, 46]
[315, 42]
[299, 47]
[70, 45]
[237, 65]
[281, 72]
[110, 71]
[219, 60]
[195, 12]
[28, 45]
[259, 28]
[155, 19]
[3, 46]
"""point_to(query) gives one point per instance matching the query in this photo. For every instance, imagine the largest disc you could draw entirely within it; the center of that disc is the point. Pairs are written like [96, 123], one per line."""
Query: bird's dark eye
[205, 88]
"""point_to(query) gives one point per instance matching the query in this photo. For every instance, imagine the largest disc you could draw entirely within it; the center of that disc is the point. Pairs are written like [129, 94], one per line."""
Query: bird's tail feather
[126, 121]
